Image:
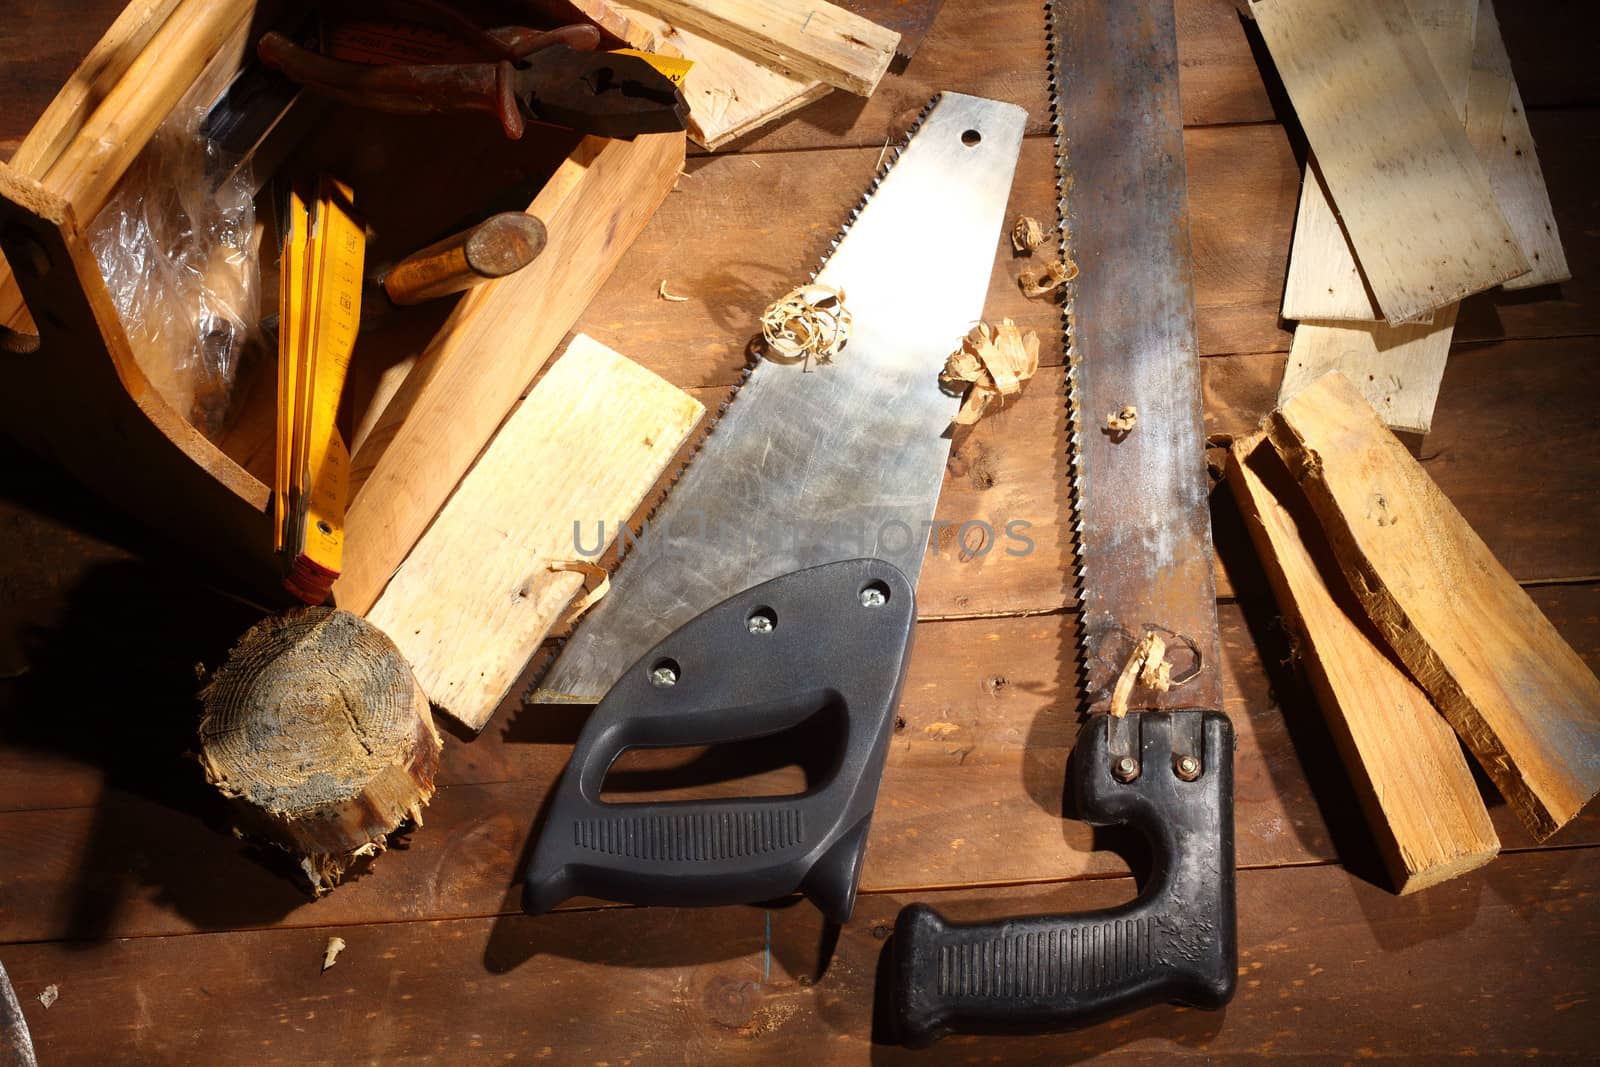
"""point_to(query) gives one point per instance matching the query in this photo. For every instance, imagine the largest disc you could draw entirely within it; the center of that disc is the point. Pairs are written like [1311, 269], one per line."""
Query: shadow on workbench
[107, 647]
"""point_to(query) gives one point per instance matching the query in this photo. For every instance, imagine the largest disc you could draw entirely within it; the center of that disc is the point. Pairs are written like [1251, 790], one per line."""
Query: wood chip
[1147, 666]
[596, 584]
[1047, 279]
[661, 291]
[1120, 423]
[51, 994]
[992, 362]
[331, 953]
[1026, 233]
[807, 323]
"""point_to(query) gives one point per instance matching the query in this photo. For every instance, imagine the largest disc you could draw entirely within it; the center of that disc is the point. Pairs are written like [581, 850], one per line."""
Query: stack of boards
[1415, 638]
[324, 251]
[1423, 189]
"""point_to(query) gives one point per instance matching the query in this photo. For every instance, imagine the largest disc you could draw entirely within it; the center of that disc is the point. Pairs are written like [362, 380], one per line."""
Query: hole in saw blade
[971, 137]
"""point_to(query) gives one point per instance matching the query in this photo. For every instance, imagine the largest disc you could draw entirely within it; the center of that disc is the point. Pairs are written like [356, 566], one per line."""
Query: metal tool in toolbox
[553, 76]
[811, 503]
[16, 1046]
[1144, 564]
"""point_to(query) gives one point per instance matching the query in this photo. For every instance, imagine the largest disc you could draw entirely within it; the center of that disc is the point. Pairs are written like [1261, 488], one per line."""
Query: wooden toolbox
[427, 391]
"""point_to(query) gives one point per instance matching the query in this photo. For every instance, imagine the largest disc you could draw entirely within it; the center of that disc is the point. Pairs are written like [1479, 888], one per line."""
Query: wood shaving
[331, 953]
[661, 291]
[807, 323]
[992, 362]
[1026, 233]
[596, 584]
[51, 994]
[1047, 279]
[1120, 423]
[1148, 666]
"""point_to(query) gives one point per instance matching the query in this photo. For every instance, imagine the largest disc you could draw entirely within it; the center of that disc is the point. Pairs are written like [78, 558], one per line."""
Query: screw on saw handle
[1175, 942]
[834, 638]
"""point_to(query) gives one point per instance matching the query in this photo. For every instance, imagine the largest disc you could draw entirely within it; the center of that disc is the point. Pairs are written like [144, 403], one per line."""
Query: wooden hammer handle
[494, 248]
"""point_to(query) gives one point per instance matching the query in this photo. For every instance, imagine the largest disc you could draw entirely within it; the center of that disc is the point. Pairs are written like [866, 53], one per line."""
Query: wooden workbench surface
[170, 941]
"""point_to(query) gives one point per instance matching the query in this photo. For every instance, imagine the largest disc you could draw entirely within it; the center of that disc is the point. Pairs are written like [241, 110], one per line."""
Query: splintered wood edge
[1458, 844]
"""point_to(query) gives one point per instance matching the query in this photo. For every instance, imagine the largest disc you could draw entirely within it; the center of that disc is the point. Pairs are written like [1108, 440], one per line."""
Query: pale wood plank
[811, 40]
[1526, 705]
[477, 367]
[1414, 199]
[1397, 369]
[1413, 783]
[729, 95]
[1497, 127]
[1324, 281]
[476, 596]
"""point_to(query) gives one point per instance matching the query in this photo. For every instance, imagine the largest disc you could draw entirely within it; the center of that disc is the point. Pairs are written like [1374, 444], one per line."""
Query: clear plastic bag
[178, 249]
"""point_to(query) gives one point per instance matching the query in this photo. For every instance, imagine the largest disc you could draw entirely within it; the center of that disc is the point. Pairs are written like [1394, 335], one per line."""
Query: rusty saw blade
[1143, 527]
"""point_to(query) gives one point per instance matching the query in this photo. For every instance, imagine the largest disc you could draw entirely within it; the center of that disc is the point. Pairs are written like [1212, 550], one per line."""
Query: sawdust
[596, 584]
[1148, 666]
[51, 994]
[810, 322]
[1047, 279]
[993, 362]
[661, 291]
[1119, 424]
[331, 953]
[1026, 234]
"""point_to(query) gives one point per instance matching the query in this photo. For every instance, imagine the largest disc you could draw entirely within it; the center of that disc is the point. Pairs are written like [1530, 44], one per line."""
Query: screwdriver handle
[1175, 942]
[496, 247]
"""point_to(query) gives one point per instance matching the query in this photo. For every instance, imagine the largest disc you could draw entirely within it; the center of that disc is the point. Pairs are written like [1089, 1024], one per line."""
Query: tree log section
[317, 732]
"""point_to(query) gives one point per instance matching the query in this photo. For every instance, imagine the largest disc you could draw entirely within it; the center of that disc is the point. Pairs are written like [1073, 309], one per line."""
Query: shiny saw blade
[1143, 528]
[842, 460]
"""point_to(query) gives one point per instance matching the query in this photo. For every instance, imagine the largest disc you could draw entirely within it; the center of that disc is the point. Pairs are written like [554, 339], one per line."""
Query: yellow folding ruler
[324, 252]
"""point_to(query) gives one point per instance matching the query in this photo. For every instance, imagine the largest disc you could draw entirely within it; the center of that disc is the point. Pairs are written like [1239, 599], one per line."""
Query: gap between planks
[606, 906]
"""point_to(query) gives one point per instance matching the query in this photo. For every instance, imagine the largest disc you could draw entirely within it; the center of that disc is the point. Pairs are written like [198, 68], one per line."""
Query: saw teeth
[1075, 422]
[890, 159]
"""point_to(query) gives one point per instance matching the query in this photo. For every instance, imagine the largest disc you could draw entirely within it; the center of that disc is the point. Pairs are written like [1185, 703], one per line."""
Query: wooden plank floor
[170, 941]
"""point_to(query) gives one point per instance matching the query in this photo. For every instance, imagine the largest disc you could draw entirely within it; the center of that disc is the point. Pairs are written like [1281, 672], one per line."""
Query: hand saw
[811, 501]
[1143, 535]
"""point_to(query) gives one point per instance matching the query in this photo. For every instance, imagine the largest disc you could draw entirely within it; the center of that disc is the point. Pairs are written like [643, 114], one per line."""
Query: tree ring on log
[318, 734]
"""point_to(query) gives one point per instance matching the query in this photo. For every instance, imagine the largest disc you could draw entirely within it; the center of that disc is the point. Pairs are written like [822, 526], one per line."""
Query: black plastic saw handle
[835, 637]
[1175, 942]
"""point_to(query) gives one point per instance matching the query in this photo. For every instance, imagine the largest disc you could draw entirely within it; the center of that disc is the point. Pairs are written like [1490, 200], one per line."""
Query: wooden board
[1398, 369]
[467, 379]
[1497, 127]
[729, 94]
[476, 596]
[1413, 198]
[1523, 701]
[1325, 282]
[813, 40]
[1328, 966]
[1416, 789]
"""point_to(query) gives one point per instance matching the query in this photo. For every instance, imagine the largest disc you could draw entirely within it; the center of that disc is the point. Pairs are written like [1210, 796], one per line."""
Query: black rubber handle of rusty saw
[831, 647]
[1175, 942]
